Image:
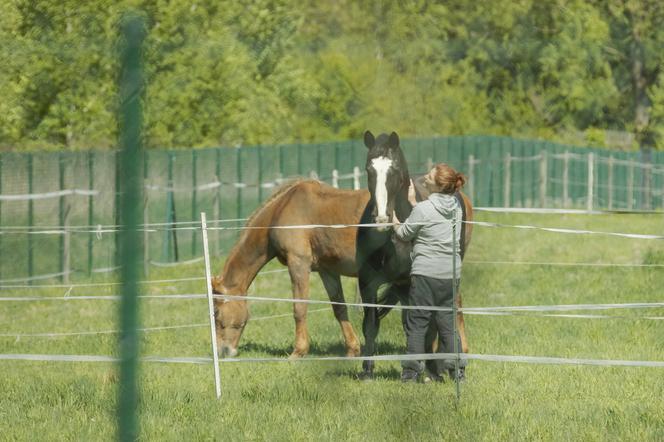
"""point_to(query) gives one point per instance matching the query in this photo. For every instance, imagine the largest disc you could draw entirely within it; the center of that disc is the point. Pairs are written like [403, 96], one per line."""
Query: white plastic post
[335, 178]
[356, 178]
[213, 334]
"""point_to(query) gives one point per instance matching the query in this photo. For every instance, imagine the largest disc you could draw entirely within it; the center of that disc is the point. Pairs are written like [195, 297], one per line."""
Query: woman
[429, 227]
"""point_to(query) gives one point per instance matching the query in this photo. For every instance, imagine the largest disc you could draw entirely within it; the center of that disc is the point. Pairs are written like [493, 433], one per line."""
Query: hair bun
[460, 181]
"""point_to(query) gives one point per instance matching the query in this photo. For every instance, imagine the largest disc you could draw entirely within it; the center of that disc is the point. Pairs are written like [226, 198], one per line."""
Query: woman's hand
[412, 198]
[395, 221]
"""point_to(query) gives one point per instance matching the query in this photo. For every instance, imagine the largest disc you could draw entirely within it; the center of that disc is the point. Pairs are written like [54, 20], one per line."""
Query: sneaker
[408, 375]
[462, 374]
[429, 377]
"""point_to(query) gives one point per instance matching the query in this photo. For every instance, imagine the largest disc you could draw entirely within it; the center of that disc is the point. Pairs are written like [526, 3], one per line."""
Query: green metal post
[218, 174]
[299, 160]
[61, 214]
[238, 176]
[281, 161]
[260, 174]
[0, 213]
[170, 210]
[91, 202]
[194, 205]
[131, 88]
[30, 219]
[455, 334]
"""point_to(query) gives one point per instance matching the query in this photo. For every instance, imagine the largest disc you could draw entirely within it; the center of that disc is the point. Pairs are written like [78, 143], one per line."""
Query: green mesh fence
[47, 191]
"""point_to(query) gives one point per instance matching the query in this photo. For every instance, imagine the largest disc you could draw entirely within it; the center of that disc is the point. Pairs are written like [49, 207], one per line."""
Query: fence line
[467, 310]
[427, 356]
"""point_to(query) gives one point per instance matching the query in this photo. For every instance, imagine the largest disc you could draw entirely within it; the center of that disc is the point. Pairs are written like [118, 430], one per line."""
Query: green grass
[322, 401]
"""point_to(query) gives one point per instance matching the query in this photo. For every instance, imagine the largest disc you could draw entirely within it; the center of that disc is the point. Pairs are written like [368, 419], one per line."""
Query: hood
[444, 204]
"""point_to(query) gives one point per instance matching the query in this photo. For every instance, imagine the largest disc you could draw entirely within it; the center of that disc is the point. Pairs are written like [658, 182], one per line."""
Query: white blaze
[381, 165]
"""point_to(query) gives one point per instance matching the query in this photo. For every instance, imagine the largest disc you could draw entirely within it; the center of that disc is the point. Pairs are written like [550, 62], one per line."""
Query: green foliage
[281, 71]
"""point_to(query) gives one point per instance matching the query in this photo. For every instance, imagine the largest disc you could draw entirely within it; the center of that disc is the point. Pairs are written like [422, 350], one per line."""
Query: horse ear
[369, 139]
[393, 142]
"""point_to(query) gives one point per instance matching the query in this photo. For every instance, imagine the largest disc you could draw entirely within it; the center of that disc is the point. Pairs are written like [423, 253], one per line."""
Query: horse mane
[275, 195]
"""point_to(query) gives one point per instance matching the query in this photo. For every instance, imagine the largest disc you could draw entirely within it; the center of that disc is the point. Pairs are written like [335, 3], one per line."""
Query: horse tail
[464, 218]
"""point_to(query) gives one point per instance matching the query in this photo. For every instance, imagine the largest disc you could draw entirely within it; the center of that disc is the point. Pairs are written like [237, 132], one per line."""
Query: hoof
[353, 352]
[296, 355]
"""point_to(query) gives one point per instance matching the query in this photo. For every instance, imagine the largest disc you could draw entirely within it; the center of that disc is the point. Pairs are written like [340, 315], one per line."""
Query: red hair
[448, 179]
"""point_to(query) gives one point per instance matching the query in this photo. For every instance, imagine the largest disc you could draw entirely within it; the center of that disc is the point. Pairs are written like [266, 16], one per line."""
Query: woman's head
[444, 179]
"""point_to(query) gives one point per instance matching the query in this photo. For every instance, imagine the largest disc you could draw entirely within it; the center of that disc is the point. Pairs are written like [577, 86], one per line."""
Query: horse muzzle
[228, 352]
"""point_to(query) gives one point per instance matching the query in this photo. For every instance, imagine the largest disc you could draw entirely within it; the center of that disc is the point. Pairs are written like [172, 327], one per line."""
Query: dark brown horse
[384, 261]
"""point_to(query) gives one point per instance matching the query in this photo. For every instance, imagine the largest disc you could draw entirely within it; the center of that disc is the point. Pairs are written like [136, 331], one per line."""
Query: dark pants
[430, 292]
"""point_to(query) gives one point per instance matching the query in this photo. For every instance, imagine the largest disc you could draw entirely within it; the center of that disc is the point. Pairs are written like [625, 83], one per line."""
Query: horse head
[387, 176]
[231, 316]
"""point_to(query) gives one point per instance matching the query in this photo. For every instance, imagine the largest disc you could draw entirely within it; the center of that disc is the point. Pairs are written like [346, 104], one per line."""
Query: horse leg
[370, 325]
[299, 268]
[332, 283]
[461, 326]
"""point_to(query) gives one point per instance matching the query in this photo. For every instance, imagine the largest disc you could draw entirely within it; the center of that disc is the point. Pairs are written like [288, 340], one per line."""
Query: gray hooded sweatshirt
[430, 225]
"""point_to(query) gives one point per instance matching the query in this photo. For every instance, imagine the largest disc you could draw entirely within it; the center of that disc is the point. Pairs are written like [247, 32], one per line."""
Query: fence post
[217, 206]
[630, 185]
[356, 178]
[208, 285]
[91, 202]
[1, 212]
[610, 182]
[471, 177]
[260, 174]
[30, 220]
[566, 179]
[591, 181]
[508, 180]
[429, 164]
[169, 233]
[543, 172]
[335, 178]
[131, 85]
[63, 216]
[194, 205]
[146, 217]
[239, 183]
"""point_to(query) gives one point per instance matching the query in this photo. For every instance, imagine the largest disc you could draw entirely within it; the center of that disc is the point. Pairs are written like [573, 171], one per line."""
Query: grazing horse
[383, 259]
[328, 251]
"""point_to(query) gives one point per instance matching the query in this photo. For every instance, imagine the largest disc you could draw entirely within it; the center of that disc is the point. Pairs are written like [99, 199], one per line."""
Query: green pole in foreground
[455, 335]
[131, 88]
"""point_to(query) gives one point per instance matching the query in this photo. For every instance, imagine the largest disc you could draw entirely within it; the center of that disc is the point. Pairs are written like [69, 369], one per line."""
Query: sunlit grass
[311, 400]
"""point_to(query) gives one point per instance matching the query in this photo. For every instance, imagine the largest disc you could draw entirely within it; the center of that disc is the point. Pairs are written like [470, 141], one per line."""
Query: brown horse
[330, 252]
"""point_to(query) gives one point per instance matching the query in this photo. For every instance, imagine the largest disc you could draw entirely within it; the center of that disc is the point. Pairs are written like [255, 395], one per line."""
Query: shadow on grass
[342, 369]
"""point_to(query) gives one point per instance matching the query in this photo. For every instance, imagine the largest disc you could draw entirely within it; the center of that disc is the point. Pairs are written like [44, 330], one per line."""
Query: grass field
[311, 400]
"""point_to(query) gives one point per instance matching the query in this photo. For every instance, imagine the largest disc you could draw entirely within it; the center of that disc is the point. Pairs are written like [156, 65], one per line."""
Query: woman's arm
[408, 230]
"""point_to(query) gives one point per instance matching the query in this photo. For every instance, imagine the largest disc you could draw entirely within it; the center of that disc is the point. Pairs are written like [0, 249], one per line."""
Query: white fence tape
[47, 195]
[98, 332]
[98, 284]
[19, 336]
[496, 311]
[403, 357]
